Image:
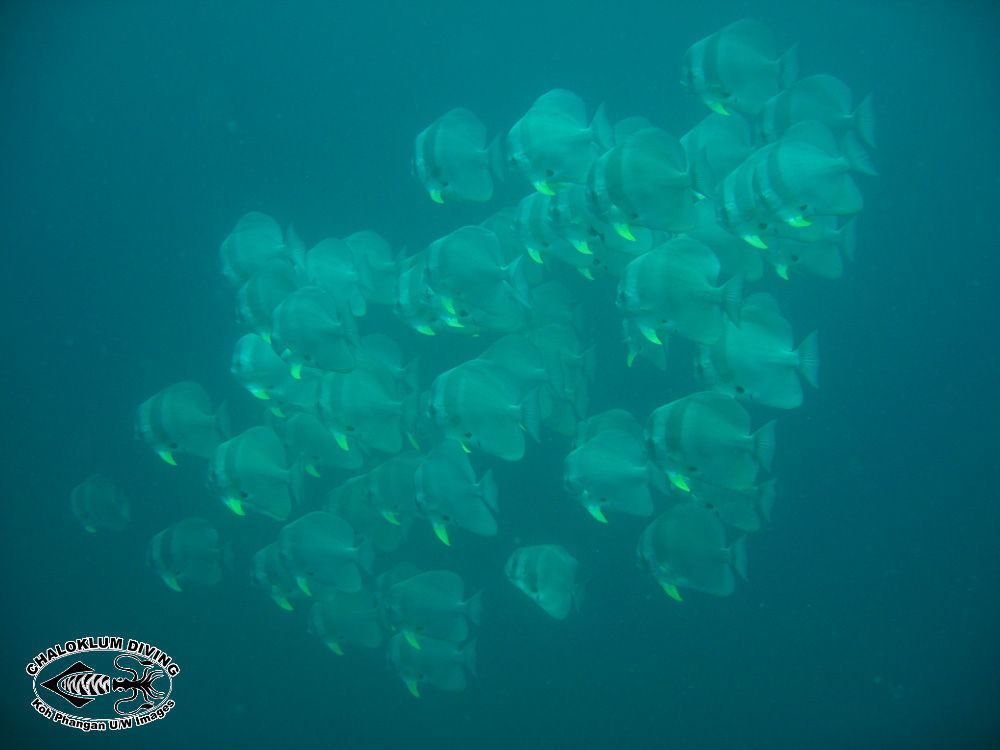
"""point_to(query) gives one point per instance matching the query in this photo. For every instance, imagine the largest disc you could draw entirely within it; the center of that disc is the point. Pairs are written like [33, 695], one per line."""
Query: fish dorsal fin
[812, 133]
[562, 102]
[825, 90]
[628, 127]
[696, 254]
[462, 124]
[750, 33]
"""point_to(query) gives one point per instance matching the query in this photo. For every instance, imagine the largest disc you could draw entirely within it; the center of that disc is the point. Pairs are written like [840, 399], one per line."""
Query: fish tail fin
[856, 155]
[658, 478]
[788, 66]
[602, 129]
[732, 297]
[296, 480]
[705, 367]
[474, 608]
[366, 555]
[763, 443]
[494, 156]
[531, 415]
[295, 248]
[849, 238]
[590, 362]
[864, 121]
[488, 488]
[469, 657]
[578, 592]
[517, 279]
[411, 375]
[808, 352]
[768, 494]
[738, 554]
[222, 422]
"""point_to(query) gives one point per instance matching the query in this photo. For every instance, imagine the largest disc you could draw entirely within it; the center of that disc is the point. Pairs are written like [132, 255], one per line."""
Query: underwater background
[136, 133]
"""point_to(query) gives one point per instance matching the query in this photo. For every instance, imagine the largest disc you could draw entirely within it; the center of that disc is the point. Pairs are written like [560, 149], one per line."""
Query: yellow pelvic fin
[296, 370]
[282, 601]
[411, 638]
[341, 439]
[391, 517]
[448, 304]
[465, 448]
[234, 505]
[756, 241]
[679, 481]
[91, 529]
[672, 591]
[171, 581]
[624, 231]
[595, 511]
[425, 329]
[312, 471]
[650, 333]
[259, 393]
[411, 685]
[167, 456]
[585, 272]
[799, 221]
[581, 247]
[303, 584]
[266, 335]
[335, 647]
[717, 107]
[782, 270]
[276, 411]
[442, 533]
[436, 196]
[535, 255]
[543, 187]
[413, 441]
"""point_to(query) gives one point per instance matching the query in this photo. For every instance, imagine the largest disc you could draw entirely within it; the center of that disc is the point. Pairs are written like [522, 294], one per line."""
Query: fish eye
[307, 357]
[467, 434]
[244, 494]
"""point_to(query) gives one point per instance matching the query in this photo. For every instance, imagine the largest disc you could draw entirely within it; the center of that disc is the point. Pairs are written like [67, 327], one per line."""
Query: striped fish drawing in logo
[79, 684]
